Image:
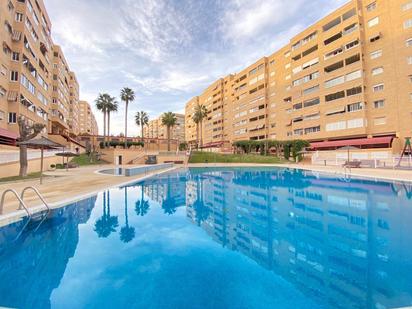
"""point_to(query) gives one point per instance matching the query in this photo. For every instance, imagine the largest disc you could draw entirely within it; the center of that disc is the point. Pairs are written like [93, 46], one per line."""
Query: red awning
[386, 140]
[8, 134]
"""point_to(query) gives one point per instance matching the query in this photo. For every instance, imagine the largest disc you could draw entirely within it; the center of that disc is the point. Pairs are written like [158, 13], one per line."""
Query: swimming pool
[218, 238]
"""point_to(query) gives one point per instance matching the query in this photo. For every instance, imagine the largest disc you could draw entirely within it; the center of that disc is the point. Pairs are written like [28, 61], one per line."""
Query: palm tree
[101, 105]
[112, 106]
[142, 206]
[107, 223]
[126, 95]
[127, 233]
[199, 115]
[142, 119]
[169, 120]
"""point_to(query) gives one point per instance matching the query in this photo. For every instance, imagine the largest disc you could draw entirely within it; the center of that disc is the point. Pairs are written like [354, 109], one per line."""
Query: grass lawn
[84, 160]
[203, 157]
[17, 178]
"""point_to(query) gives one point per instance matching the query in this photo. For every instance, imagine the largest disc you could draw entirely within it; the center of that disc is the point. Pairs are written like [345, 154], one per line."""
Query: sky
[169, 51]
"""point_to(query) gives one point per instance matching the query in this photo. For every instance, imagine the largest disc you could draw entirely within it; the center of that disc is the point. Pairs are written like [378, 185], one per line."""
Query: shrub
[182, 146]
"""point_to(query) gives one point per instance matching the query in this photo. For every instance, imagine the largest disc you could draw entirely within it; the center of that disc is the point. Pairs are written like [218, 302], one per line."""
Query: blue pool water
[218, 238]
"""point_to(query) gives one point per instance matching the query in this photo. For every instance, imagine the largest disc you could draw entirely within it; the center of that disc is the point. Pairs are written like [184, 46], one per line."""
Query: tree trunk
[197, 136]
[23, 161]
[201, 133]
[168, 138]
[125, 126]
[104, 128]
[142, 131]
[108, 124]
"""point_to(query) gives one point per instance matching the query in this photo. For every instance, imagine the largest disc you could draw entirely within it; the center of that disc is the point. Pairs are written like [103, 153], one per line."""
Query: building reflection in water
[39, 257]
[345, 246]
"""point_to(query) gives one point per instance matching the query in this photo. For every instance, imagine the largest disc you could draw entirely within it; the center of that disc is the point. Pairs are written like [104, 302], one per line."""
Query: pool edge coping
[15, 216]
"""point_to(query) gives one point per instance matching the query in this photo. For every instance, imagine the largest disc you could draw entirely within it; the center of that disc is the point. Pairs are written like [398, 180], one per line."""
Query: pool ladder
[23, 205]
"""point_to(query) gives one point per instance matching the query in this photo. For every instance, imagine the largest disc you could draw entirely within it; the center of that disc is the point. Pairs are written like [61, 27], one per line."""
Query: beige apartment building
[86, 119]
[155, 129]
[35, 79]
[346, 80]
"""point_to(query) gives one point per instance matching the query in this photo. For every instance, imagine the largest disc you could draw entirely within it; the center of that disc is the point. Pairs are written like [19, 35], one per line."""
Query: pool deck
[63, 187]
[378, 174]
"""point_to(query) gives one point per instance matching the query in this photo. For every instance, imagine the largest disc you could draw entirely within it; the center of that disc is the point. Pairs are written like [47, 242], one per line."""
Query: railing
[22, 204]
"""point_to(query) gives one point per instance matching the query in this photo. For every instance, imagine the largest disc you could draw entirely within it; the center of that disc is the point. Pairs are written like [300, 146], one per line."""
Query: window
[373, 22]
[334, 67]
[407, 6]
[353, 59]
[376, 54]
[14, 76]
[407, 24]
[355, 123]
[408, 42]
[351, 45]
[2, 91]
[19, 17]
[311, 102]
[377, 71]
[1, 115]
[354, 91]
[335, 96]
[354, 107]
[379, 121]
[12, 118]
[332, 24]
[15, 56]
[335, 81]
[336, 126]
[371, 7]
[378, 88]
[375, 38]
[333, 53]
[310, 90]
[312, 130]
[379, 104]
[409, 60]
[349, 14]
[333, 38]
[310, 50]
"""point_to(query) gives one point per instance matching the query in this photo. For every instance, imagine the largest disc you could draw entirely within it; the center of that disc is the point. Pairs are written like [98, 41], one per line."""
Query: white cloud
[168, 50]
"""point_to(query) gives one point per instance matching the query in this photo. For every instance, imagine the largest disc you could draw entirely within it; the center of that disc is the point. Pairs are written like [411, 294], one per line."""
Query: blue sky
[169, 50]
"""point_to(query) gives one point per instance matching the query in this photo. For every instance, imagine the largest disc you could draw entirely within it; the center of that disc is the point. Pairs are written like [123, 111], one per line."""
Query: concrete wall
[12, 169]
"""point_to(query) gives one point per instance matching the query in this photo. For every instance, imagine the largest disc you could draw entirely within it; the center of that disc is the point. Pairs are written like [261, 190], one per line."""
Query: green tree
[142, 206]
[127, 233]
[112, 106]
[142, 119]
[102, 103]
[126, 95]
[106, 224]
[169, 121]
[199, 115]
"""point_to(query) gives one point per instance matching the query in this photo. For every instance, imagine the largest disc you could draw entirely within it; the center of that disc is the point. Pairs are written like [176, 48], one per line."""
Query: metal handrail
[18, 198]
[38, 194]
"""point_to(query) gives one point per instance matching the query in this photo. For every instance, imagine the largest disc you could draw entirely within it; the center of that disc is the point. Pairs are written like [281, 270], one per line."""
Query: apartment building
[190, 126]
[155, 129]
[87, 121]
[35, 79]
[74, 111]
[347, 78]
